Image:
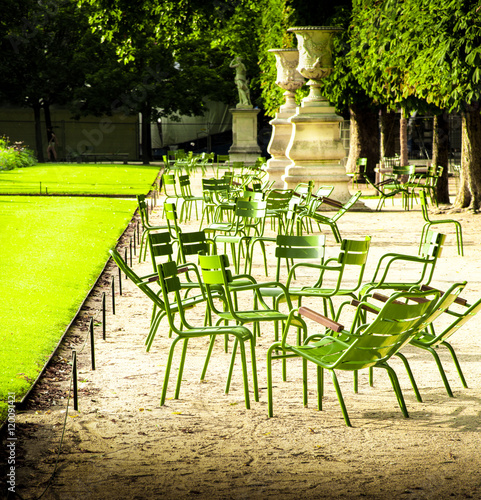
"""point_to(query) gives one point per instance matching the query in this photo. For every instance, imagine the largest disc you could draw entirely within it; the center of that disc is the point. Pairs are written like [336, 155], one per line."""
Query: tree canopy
[417, 53]
[426, 49]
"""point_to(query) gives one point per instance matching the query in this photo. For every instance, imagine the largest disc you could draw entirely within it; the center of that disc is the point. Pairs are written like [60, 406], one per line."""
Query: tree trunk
[38, 133]
[388, 133]
[146, 134]
[469, 194]
[364, 138]
[441, 154]
[403, 138]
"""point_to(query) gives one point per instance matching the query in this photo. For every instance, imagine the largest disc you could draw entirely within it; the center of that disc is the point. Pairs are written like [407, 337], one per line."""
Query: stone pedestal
[289, 79]
[281, 135]
[244, 133]
[316, 150]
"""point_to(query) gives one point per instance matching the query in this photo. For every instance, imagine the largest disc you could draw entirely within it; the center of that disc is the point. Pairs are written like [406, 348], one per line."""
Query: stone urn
[315, 148]
[289, 79]
[315, 57]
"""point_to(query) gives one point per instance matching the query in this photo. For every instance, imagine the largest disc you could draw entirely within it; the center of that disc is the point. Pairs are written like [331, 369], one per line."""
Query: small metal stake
[113, 294]
[75, 381]
[104, 335]
[120, 275]
[92, 342]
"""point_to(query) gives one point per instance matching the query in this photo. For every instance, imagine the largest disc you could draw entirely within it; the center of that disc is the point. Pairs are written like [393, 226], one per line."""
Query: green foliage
[415, 51]
[53, 250]
[342, 87]
[15, 155]
[276, 18]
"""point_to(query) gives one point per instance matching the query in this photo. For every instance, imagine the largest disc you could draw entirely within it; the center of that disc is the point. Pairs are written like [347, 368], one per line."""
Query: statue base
[244, 135]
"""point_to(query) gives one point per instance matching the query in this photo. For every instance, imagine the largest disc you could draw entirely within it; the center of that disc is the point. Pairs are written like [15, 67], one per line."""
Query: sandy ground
[206, 445]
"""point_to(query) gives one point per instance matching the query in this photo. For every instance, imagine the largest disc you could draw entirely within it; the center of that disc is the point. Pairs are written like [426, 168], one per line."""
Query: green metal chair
[364, 345]
[277, 205]
[189, 200]
[422, 272]
[315, 203]
[332, 220]
[381, 189]
[336, 277]
[358, 172]
[429, 339]
[171, 288]
[429, 223]
[216, 199]
[302, 195]
[145, 285]
[426, 332]
[169, 183]
[431, 185]
[147, 227]
[401, 175]
[216, 273]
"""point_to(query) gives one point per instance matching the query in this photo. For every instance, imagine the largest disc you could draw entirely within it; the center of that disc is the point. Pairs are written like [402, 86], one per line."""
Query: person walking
[52, 141]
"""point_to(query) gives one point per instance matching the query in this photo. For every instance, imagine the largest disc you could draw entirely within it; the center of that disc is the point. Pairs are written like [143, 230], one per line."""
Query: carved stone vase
[289, 79]
[315, 148]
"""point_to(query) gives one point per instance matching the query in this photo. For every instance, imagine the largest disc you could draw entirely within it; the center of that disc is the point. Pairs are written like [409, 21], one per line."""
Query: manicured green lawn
[53, 249]
[73, 178]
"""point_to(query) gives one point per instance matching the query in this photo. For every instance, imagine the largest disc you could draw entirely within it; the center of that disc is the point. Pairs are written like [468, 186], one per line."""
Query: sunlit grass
[73, 178]
[53, 250]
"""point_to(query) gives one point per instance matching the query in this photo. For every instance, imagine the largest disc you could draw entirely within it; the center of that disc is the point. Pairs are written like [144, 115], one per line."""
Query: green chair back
[193, 244]
[293, 249]
[397, 322]
[170, 215]
[143, 210]
[160, 246]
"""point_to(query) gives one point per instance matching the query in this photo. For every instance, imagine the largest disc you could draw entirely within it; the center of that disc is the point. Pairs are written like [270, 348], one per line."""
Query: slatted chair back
[192, 244]
[394, 326]
[297, 249]
[160, 247]
[332, 220]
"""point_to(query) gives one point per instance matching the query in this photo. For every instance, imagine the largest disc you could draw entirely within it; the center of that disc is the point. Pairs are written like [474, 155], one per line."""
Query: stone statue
[241, 82]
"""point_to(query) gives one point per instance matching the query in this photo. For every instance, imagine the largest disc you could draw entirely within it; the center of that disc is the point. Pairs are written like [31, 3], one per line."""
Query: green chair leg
[167, 370]
[441, 371]
[411, 377]
[456, 363]
[340, 398]
[396, 387]
[181, 368]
